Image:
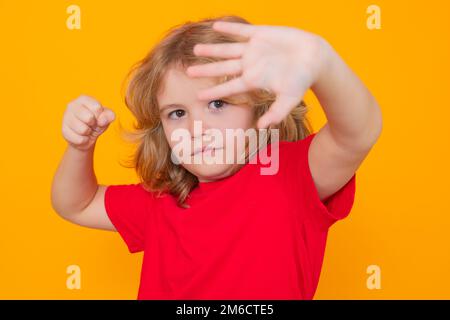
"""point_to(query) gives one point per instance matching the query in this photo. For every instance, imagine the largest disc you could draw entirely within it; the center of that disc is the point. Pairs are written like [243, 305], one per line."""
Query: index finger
[231, 87]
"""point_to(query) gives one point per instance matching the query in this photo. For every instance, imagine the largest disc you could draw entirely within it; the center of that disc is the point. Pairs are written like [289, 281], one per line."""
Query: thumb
[277, 111]
[106, 117]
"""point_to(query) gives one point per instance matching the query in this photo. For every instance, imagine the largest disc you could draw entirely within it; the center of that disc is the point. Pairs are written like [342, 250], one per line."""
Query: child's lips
[205, 149]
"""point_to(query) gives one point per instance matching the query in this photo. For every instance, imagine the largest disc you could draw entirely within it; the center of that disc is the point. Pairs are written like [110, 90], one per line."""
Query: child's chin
[211, 171]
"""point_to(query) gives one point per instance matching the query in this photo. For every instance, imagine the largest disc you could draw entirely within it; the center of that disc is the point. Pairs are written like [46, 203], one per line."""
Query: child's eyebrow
[172, 105]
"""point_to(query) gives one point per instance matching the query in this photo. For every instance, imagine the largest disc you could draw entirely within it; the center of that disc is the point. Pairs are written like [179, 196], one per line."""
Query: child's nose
[198, 127]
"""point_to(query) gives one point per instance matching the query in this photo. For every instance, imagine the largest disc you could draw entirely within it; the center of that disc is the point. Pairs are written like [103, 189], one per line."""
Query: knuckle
[90, 118]
[97, 106]
[91, 103]
[71, 105]
[64, 131]
[64, 118]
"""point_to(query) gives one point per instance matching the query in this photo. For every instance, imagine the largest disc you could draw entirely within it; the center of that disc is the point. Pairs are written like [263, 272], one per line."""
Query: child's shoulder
[135, 190]
[294, 148]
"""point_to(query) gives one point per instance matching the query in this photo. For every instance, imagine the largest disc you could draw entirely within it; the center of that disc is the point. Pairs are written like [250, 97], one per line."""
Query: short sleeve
[127, 207]
[336, 206]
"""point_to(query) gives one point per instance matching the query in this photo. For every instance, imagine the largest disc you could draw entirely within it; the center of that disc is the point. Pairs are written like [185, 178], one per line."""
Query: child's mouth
[206, 150]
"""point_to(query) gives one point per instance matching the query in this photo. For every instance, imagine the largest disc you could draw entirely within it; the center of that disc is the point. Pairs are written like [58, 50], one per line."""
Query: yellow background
[401, 216]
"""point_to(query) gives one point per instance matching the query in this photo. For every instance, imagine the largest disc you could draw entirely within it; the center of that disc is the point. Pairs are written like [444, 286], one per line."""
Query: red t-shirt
[248, 236]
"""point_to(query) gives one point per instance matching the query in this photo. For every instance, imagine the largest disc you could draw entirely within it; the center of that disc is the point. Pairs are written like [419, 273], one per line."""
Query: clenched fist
[85, 119]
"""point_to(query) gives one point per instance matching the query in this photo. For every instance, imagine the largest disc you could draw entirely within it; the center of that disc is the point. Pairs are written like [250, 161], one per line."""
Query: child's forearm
[354, 117]
[74, 184]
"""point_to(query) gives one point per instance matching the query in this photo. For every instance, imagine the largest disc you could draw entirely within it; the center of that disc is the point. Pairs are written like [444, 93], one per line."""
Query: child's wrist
[81, 151]
[327, 57]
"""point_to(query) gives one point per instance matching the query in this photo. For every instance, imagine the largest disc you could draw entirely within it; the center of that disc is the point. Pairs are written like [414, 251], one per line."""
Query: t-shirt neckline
[208, 186]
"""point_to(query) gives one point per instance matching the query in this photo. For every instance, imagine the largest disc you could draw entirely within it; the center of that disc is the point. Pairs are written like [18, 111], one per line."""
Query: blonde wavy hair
[151, 159]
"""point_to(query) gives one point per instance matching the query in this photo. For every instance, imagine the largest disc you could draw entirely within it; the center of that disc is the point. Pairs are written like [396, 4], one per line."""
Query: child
[225, 230]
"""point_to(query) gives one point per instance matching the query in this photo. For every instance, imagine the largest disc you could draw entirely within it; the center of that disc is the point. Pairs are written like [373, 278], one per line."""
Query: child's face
[182, 90]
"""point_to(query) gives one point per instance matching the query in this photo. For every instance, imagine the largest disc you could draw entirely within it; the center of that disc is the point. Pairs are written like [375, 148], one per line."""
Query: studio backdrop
[395, 244]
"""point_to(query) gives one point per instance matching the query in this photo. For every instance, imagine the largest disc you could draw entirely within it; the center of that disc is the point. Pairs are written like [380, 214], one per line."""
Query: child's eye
[217, 104]
[176, 114]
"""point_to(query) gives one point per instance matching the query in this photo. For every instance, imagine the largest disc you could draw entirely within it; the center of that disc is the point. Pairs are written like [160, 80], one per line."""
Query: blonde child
[225, 230]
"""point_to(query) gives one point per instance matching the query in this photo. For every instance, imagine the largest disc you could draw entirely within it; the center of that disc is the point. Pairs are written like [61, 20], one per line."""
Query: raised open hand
[284, 60]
